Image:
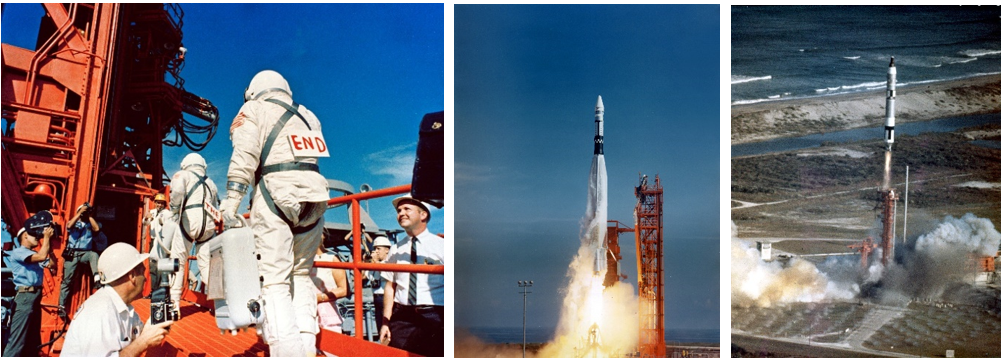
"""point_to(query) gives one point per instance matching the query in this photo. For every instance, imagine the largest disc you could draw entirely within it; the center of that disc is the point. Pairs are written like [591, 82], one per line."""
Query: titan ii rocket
[891, 97]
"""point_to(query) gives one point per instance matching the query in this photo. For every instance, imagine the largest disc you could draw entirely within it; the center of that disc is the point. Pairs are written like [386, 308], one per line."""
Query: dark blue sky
[368, 71]
[526, 80]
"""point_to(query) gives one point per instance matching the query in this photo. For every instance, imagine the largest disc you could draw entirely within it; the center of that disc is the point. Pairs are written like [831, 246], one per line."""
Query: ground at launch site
[829, 192]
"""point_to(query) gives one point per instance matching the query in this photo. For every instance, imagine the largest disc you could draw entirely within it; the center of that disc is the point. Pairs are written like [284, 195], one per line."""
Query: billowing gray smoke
[927, 268]
[936, 260]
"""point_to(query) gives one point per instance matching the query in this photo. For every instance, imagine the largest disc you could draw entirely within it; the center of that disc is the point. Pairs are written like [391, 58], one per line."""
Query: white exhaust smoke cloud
[926, 268]
[967, 234]
[760, 283]
[586, 302]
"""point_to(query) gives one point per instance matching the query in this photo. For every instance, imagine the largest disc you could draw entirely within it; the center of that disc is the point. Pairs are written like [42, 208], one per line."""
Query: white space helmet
[193, 159]
[117, 260]
[264, 82]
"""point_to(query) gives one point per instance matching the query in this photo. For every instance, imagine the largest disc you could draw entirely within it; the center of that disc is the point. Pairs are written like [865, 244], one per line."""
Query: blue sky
[368, 71]
[526, 81]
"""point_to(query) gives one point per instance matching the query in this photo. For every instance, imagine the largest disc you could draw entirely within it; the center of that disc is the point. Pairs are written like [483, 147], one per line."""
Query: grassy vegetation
[938, 161]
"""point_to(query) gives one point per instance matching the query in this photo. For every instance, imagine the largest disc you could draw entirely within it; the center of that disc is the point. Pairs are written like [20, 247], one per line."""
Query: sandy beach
[789, 118]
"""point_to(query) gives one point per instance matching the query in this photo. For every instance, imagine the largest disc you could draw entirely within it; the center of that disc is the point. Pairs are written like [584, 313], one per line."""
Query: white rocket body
[596, 206]
[891, 98]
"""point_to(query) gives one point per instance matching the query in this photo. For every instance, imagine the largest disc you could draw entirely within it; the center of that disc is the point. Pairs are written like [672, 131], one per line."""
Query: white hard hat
[264, 82]
[19, 233]
[405, 197]
[193, 159]
[117, 260]
[381, 241]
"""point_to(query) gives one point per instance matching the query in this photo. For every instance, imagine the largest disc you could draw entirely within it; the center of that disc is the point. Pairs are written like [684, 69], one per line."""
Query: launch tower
[649, 249]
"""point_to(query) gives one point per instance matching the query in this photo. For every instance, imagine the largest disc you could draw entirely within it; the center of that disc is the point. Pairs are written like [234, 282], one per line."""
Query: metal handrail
[356, 266]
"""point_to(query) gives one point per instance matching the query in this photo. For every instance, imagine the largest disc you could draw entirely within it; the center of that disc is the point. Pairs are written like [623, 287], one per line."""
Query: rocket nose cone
[600, 102]
[891, 62]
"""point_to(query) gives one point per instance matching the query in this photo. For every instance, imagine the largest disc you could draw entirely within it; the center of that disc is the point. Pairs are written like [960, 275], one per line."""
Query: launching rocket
[597, 206]
[598, 137]
[891, 97]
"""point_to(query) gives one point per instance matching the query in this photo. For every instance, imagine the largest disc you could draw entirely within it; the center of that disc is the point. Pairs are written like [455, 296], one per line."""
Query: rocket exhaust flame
[888, 155]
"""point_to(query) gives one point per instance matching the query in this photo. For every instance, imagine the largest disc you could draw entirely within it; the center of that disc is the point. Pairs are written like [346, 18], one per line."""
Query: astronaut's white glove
[228, 208]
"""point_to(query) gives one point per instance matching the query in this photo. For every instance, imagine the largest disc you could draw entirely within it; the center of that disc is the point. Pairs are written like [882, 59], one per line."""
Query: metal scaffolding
[649, 249]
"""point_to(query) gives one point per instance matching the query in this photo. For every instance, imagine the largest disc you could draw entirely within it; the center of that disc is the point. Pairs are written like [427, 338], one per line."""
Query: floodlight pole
[525, 285]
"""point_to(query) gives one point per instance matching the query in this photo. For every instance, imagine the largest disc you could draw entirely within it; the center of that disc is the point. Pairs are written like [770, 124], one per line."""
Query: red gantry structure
[864, 248]
[86, 114]
[614, 228]
[888, 212]
[649, 249]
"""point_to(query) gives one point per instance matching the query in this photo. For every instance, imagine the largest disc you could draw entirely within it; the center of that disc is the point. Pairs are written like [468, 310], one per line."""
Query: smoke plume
[756, 282]
[926, 268]
[586, 301]
[937, 260]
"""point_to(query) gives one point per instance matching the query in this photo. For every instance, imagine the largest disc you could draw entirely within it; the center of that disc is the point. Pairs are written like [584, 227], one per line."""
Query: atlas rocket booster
[891, 97]
[599, 254]
[598, 137]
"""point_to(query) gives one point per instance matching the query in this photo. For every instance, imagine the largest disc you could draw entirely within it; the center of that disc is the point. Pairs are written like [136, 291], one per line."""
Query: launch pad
[915, 298]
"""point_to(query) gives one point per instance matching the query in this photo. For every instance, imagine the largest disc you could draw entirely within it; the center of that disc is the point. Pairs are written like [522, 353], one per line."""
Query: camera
[35, 226]
[87, 209]
[161, 307]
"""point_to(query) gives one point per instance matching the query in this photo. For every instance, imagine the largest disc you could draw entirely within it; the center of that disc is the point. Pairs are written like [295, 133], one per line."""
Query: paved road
[767, 347]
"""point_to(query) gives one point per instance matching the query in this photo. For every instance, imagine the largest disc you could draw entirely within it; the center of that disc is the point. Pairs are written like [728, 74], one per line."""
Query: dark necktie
[412, 276]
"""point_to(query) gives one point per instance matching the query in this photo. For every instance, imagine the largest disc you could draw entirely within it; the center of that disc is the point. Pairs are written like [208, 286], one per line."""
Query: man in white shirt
[107, 325]
[413, 302]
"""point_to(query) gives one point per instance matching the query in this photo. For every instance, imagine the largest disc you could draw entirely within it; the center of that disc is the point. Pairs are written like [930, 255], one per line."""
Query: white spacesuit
[191, 191]
[279, 165]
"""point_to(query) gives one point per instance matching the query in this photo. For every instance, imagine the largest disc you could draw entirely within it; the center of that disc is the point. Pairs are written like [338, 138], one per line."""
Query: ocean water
[541, 335]
[785, 52]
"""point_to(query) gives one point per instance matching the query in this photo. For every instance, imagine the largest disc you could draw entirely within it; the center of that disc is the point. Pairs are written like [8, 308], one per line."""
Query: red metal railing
[359, 346]
[356, 266]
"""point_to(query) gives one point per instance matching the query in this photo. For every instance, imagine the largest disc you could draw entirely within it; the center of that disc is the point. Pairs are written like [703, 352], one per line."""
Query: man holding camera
[27, 265]
[107, 325]
[80, 231]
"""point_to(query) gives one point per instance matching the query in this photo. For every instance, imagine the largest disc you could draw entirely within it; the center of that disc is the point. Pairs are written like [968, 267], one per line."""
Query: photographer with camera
[27, 265]
[80, 232]
[107, 325]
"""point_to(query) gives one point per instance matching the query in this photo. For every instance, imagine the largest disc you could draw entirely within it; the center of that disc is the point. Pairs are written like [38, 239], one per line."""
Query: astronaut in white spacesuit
[193, 198]
[277, 144]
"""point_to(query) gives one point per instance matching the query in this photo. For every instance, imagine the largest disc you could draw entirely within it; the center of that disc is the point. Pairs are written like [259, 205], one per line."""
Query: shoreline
[921, 102]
